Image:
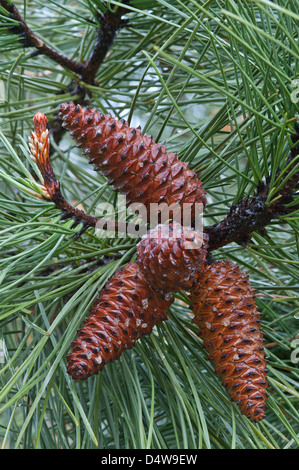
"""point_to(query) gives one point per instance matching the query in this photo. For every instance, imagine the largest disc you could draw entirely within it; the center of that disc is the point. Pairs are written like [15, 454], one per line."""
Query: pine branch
[250, 215]
[254, 213]
[109, 24]
[29, 39]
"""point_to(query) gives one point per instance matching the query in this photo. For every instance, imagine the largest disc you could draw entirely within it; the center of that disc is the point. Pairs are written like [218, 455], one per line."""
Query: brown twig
[250, 215]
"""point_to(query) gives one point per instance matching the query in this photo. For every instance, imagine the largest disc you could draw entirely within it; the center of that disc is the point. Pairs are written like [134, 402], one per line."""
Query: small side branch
[29, 39]
[110, 23]
[40, 152]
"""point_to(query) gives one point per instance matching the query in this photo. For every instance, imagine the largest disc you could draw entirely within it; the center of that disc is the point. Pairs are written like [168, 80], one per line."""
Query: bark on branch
[29, 39]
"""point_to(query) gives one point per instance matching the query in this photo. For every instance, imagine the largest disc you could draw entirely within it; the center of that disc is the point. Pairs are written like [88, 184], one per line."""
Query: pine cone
[133, 163]
[172, 256]
[223, 303]
[126, 309]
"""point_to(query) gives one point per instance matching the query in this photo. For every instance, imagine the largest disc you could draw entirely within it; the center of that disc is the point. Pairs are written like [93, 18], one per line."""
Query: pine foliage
[217, 80]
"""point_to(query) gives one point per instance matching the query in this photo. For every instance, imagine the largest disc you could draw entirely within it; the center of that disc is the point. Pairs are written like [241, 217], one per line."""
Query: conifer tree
[211, 87]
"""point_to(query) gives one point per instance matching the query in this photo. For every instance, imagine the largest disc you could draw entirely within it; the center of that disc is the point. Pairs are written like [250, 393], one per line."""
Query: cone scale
[223, 303]
[171, 257]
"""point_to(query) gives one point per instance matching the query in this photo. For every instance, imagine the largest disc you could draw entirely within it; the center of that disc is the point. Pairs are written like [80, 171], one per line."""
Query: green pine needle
[215, 80]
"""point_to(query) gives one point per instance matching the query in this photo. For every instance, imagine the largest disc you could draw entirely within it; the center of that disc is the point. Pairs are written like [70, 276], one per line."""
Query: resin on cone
[223, 303]
[134, 164]
[172, 256]
[126, 309]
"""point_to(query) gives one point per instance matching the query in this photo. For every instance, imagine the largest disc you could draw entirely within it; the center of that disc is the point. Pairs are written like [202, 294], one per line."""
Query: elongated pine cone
[126, 309]
[172, 256]
[223, 303]
[133, 163]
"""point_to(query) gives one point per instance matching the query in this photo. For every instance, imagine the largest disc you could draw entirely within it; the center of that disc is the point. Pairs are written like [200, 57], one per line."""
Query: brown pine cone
[172, 256]
[133, 163]
[126, 309]
[223, 303]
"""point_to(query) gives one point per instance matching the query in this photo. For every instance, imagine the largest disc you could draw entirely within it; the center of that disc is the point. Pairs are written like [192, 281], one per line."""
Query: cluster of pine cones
[169, 258]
